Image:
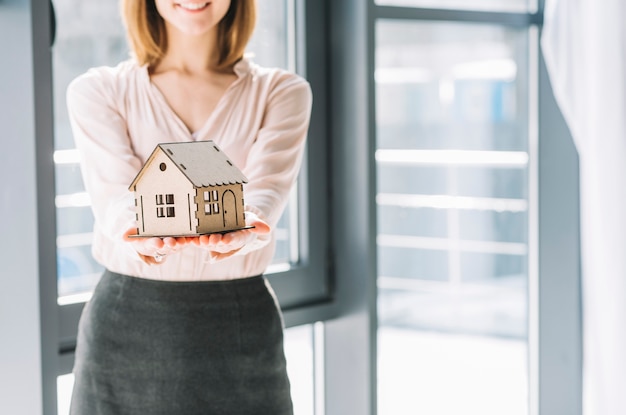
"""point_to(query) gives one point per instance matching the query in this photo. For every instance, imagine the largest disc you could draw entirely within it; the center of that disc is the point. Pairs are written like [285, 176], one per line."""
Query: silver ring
[158, 257]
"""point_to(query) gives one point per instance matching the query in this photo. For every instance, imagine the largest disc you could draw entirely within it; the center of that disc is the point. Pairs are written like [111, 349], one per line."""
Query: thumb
[129, 232]
[260, 226]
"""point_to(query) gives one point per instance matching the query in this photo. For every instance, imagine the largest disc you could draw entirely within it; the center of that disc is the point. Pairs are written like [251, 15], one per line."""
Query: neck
[189, 53]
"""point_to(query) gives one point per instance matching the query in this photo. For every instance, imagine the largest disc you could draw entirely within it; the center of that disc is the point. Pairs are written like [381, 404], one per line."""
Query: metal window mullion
[42, 29]
[450, 15]
[350, 384]
[533, 228]
[28, 321]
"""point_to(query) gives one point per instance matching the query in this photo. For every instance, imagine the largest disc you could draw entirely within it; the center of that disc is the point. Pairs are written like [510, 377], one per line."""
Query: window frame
[339, 50]
[29, 352]
[304, 290]
[554, 265]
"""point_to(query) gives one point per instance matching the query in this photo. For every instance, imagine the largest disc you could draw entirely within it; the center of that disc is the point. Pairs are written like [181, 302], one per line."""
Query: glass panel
[452, 237]
[490, 5]
[299, 354]
[90, 33]
[80, 44]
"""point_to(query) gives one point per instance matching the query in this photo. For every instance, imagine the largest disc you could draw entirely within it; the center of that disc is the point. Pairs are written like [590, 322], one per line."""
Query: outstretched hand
[222, 246]
[154, 250]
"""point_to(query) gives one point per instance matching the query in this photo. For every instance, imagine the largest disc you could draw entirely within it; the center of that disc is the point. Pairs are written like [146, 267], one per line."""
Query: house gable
[164, 199]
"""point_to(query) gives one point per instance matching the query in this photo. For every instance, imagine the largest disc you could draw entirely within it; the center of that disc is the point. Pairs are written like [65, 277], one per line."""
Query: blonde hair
[145, 30]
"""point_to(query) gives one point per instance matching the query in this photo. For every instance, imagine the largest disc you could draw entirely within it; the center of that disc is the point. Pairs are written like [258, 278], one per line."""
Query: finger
[129, 232]
[154, 242]
[215, 238]
[235, 244]
[169, 242]
[182, 240]
[232, 236]
[149, 259]
[203, 239]
[260, 227]
[213, 256]
[223, 255]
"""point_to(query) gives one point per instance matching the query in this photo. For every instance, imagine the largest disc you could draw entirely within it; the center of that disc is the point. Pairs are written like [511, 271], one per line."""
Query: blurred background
[429, 260]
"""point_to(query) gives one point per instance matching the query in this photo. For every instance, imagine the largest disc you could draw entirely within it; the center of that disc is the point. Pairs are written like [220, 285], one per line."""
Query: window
[452, 158]
[427, 187]
[161, 210]
[211, 206]
[79, 46]
[341, 53]
[298, 269]
[501, 5]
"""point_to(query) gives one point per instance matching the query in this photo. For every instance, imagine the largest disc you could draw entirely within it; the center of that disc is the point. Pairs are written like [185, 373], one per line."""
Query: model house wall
[220, 207]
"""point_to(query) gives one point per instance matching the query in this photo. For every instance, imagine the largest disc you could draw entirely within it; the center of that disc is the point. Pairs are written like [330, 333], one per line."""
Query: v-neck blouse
[118, 116]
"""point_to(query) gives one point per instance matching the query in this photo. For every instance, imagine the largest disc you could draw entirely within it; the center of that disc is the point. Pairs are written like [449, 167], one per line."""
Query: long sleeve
[108, 163]
[276, 155]
[584, 43]
[118, 117]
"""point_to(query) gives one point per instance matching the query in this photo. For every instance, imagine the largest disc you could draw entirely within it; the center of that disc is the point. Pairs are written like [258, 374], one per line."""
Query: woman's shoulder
[106, 79]
[277, 81]
[267, 74]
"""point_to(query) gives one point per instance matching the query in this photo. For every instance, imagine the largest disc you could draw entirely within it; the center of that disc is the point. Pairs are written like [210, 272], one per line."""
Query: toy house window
[211, 205]
[210, 196]
[167, 211]
[211, 208]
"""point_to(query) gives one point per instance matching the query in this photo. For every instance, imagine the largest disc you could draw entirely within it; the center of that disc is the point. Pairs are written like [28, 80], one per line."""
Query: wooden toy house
[187, 189]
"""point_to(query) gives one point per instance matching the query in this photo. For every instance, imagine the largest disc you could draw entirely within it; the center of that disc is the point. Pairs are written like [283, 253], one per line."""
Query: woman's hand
[222, 246]
[154, 250]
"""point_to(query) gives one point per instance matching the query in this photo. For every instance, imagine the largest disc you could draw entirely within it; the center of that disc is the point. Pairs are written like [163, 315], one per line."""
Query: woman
[185, 325]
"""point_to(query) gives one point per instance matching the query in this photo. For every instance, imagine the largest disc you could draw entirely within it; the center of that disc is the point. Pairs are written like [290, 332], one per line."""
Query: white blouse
[118, 117]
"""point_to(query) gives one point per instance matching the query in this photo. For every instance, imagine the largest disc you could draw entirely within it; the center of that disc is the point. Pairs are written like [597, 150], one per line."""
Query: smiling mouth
[193, 6]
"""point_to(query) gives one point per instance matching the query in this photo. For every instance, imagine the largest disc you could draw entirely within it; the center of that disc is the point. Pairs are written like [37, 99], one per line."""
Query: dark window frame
[304, 291]
[339, 49]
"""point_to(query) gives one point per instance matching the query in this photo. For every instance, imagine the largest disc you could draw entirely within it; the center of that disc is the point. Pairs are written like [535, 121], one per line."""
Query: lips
[193, 7]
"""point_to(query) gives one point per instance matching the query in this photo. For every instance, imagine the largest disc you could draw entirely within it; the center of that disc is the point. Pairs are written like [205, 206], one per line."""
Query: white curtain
[584, 45]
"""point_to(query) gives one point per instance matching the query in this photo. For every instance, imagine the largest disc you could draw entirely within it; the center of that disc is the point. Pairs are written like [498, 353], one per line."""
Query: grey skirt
[150, 347]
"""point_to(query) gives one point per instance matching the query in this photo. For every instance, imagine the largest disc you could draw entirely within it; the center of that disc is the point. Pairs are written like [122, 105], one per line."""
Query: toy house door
[229, 210]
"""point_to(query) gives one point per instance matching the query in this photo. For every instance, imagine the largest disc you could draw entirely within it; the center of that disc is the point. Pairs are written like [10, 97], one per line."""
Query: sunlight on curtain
[584, 44]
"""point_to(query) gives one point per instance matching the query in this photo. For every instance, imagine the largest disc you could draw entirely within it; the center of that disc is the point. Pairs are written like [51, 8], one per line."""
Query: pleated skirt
[149, 347]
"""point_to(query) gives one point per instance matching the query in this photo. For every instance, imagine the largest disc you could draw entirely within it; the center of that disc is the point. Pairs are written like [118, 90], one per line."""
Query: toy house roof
[202, 162]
